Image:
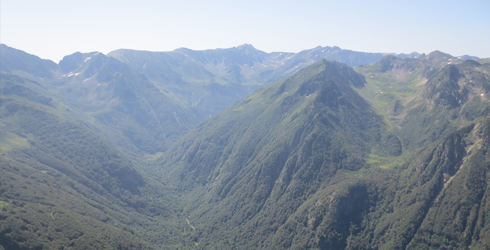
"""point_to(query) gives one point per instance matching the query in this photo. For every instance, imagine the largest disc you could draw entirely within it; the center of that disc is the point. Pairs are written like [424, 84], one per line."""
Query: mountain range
[163, 94]
[241, 149]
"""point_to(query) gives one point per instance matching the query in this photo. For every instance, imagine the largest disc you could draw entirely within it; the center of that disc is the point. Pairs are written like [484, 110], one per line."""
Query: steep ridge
[13, 60]
[278, 146]
[452, 97]
[455, 85]
[427, 98]
[457, 218]
[380, 210]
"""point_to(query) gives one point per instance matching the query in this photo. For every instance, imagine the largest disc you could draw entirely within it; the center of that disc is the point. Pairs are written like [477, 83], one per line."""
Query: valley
[241, 149]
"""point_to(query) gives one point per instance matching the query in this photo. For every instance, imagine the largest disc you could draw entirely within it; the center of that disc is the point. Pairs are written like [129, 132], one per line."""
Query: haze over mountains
[164, 94]
[241, 149]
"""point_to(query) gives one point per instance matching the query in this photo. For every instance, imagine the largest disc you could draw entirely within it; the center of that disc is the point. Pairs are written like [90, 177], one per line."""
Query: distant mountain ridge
[234, 72]
[196, 84]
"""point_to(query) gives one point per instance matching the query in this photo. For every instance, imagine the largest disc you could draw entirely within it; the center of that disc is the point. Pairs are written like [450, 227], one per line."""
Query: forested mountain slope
[307, 163]
[96, 150]
[61, 185]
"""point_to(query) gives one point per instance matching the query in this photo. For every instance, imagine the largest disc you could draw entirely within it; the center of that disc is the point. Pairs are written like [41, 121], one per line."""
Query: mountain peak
[342, 71]
[434, 55]
[246, 47]
[73, 61]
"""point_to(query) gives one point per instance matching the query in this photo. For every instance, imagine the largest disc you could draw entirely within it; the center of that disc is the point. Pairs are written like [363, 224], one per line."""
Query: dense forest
[241, 149]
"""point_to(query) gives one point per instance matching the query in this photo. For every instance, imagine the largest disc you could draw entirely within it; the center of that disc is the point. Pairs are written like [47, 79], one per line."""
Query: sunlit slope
[308, 163]
[250, 167]
[427, 98]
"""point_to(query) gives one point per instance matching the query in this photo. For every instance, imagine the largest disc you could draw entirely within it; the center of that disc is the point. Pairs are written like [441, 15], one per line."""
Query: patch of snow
[86, 59]
[323, 51]
[481, 94]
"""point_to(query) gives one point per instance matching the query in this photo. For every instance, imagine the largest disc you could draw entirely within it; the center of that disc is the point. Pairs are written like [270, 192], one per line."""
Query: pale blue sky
[52, 28]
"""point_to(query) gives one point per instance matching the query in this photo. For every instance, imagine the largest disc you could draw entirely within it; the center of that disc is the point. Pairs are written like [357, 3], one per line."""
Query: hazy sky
[52, 29]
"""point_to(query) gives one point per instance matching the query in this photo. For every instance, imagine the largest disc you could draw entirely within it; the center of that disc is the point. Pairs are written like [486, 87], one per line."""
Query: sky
[52, 29]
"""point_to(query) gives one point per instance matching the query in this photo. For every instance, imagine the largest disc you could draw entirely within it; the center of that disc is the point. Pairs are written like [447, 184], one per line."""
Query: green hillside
[62, 185]
[306, 163]
[251, 167]
[106, 152]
